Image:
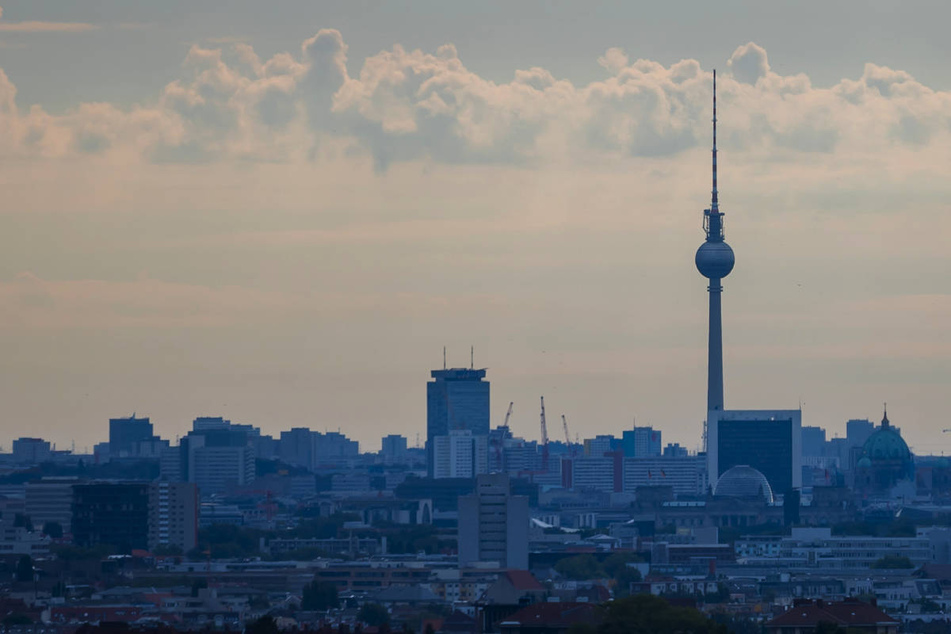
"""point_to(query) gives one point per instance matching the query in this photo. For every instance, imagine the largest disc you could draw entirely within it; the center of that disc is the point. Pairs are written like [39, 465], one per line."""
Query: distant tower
[714, 260]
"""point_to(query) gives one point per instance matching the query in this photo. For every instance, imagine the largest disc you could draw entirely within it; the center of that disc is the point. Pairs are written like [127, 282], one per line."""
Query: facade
[641, 442]
[393, 449]
[460, 455]
[813, 441]
[125, 434]
[298, 447]
[767, 440]
[30, 451]
[111, 513]
[215, 455]
[599, 445]
[216, 468]
[50, 500]
[686, 474]
[173, 515]
[817, 549]
[456, 399]
[594, 473]
[493, 524]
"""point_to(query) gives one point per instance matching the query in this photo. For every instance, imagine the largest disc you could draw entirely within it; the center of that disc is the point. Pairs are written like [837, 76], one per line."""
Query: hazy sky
[281, 212]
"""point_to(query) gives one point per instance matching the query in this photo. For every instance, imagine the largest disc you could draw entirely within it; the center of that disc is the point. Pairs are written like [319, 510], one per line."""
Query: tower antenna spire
[714, 203]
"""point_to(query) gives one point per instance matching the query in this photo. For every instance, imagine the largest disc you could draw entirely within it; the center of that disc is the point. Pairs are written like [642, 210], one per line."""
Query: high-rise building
[125, 434]
[113, 513]
[173, 515]
[393, 449]
[460, 455]
[599, 445]
[50, 500]
[298, 447]
[770, 441]
[493, 524]
[715, 261]
[813, 441]
[30, 451]
[135, 515]
[641, 442]
[215, 455]
[456, 399]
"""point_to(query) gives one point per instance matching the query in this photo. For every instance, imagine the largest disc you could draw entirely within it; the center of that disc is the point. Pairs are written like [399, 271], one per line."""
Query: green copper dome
[886, 444]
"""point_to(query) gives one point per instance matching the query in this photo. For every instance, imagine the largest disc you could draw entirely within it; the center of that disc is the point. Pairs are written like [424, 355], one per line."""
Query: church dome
[743, 481]
[886, 443]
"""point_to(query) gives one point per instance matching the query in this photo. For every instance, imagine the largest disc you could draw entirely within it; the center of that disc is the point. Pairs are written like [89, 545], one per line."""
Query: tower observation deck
[715, 261]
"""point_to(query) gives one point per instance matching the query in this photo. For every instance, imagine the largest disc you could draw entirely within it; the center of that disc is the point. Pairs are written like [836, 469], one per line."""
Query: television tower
[714, 260]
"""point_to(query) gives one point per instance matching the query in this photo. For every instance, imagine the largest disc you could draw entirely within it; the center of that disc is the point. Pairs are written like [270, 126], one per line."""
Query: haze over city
[280, 215]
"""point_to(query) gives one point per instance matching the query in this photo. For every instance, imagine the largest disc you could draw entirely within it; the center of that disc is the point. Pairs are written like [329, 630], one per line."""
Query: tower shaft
[715, 349]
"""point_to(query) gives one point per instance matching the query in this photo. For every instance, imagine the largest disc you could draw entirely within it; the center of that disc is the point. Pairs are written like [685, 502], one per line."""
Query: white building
[687, 475]
[460, 455]
[817, 548]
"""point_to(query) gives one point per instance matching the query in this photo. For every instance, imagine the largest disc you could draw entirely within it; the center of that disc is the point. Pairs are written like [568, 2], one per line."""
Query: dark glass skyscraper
[126, 433]
[456, 399]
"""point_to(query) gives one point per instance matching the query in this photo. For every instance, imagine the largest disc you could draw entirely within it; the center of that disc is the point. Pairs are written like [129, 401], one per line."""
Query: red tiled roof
[523, 580]
[847, 613]
[552, 614]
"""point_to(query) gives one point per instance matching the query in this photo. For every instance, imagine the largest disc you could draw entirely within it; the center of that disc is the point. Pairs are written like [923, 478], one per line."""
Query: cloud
[749, 63]
[405, 105]
[35, 26]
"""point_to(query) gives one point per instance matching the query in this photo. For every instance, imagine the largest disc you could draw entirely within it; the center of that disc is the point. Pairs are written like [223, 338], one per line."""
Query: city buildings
[50, 500]
[173, 515]
[641, 442]
[767, 440]
[112, 513]
[130, 437]
[460, 454]
[30, 451]
[393, 449]
[456, 399]
[493, 524]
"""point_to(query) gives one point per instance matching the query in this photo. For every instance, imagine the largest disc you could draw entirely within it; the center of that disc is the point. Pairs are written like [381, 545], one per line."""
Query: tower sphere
[714, 259]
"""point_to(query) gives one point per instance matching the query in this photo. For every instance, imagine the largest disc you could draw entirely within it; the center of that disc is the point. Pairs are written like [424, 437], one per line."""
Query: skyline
[299, 251]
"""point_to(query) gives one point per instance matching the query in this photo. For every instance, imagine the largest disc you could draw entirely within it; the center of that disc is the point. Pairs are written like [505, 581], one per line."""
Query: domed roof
[743, 481]
[886, 444]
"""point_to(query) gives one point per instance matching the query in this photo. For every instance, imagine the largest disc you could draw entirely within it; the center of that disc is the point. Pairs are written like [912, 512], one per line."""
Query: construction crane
[544, 438]
[499, 439]
[572, 447]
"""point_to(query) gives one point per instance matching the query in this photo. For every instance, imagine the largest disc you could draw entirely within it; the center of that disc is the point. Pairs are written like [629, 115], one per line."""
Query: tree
[580, 567]
[373, 614]
[892, 562]
[320, 595]
[53, 530]
[23, 521]
[264, 625]
[647, 614]
[24, 571]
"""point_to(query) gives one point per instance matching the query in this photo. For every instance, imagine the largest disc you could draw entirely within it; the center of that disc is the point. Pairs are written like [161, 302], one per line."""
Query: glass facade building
[457, 399]
[770, 441]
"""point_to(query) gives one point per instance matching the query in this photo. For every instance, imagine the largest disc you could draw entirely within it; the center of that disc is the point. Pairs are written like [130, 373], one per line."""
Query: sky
[281, 212]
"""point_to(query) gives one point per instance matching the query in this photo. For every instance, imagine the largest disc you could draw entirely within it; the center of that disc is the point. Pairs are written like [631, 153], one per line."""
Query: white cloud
[229, 104]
